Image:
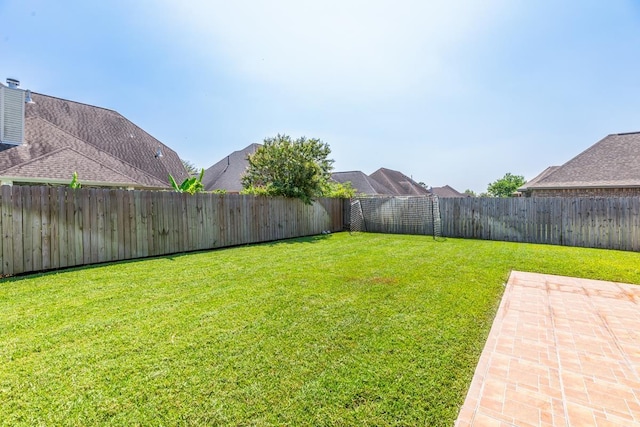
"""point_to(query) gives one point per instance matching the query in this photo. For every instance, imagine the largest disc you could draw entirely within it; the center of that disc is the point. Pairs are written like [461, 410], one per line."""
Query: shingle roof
[360, 182]
[614, 161]
[227, 173]
[538, 178]
[447, 191]
[63, 136]
[398, 183]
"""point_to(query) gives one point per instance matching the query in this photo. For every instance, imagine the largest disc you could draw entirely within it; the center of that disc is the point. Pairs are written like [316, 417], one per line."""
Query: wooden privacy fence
[611, 223]
[45, 228]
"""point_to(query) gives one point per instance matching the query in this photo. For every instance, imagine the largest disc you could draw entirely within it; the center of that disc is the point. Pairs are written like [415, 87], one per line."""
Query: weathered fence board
[48, 227]
[612, 223]
[54, 227]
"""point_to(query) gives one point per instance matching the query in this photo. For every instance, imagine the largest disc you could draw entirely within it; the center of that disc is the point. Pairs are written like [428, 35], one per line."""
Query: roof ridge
[47, 154]
[105, 109]
[626, 133]
[75, 102]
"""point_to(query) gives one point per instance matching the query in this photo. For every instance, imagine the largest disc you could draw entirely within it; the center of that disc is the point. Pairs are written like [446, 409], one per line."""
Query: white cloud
[373, 49]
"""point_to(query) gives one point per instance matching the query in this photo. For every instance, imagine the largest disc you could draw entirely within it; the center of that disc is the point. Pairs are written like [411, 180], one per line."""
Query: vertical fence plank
[88, 200]
[63, 235]
[70, 225]
[110, 224]
[36, 228]
[124, 200]
[54, 251]
[7, 229]
[122, 218]
[78, 226]
[171, 220]
[17, 234]
[140, 229]
[45, 216]
[151, 223]
[27, 226]
[131, 250]
[167, 223]
[201, 231]
[187, 241]
[102, 224]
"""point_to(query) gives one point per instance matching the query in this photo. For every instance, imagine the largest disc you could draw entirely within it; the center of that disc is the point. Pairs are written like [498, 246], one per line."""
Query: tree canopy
[291, 168]
[506, 186]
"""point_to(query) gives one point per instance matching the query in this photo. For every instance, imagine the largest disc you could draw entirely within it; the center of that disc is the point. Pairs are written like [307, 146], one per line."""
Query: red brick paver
[561, 352]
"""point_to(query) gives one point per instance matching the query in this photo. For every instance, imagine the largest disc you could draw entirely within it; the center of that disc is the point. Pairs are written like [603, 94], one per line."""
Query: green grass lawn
[368, 329]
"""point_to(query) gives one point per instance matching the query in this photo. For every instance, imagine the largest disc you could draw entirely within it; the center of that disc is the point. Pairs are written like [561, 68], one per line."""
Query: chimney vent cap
[13, 83]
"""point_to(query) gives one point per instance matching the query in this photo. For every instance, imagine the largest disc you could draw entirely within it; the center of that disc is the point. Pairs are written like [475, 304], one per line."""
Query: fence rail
[611, 223]
[45, 228]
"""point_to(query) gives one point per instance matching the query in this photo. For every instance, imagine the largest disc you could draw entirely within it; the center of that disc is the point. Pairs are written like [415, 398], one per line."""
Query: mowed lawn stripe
[365, 329]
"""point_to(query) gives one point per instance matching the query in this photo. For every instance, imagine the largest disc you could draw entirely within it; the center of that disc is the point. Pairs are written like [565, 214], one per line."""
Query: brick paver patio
[561, 352]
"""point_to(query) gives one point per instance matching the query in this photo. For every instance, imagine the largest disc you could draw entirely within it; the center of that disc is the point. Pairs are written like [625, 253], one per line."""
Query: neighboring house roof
[227, 173]
[612, 162]
[102, 146]
[538, 178]
[447, 191]
[398, 183]
[360, 182]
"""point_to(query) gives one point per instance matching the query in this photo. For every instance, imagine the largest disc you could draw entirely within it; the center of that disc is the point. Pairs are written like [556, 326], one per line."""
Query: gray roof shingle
[614, 161]
[360, 182]
[447, 191]
[227, 173]
[398, 183]
[63, 136]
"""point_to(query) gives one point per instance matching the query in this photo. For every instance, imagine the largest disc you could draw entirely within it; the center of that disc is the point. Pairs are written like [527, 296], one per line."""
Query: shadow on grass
[170, 257]
[308, 239]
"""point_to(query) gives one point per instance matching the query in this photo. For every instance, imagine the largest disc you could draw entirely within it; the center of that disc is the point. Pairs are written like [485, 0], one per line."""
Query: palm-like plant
[74, 181]
[190, 185]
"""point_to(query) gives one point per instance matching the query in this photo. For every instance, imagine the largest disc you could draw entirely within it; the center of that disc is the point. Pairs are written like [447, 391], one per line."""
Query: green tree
[506, 186]
[470, 193]
[290, 168]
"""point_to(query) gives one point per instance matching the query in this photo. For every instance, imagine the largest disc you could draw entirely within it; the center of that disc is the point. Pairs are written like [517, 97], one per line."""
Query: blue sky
[454, 92]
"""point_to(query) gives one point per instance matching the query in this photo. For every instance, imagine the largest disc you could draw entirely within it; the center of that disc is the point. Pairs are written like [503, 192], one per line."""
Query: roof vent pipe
[27, 97]
[13, 83]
